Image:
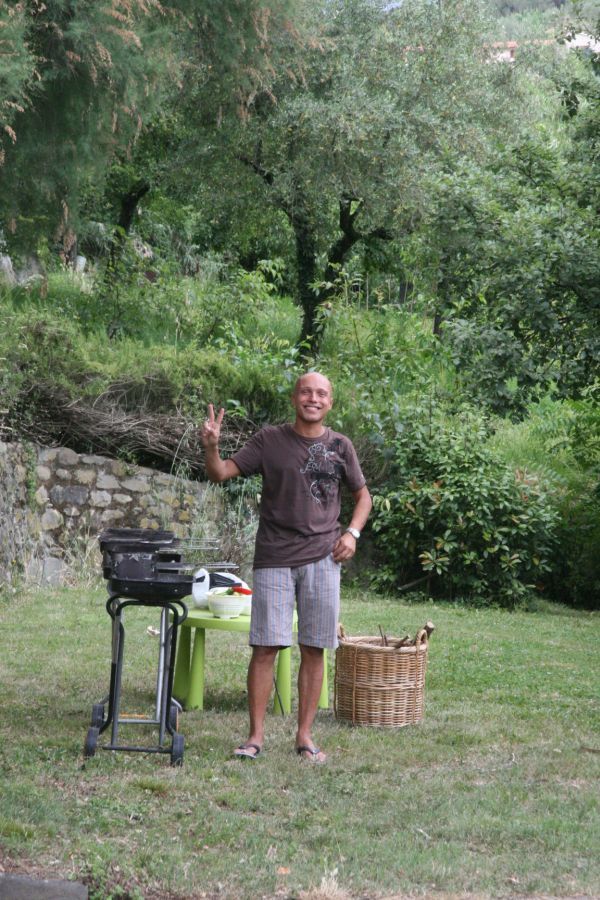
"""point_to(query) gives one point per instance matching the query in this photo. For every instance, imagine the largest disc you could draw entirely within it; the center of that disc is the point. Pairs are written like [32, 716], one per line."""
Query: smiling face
[312, 399]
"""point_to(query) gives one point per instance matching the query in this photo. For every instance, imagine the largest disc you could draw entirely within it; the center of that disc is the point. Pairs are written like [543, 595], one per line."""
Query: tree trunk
[112, 277]
[313, 300]
[440, 306]
[129, 204]
[306, 265]
[306, 251]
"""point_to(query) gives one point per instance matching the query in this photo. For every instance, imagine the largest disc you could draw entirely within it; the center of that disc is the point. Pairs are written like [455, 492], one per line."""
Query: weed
[11, 829]
[82, 559]
[106, 882]
[31, 479]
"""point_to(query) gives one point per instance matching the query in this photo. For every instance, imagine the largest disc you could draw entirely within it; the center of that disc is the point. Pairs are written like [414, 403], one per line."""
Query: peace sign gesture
[211, 430]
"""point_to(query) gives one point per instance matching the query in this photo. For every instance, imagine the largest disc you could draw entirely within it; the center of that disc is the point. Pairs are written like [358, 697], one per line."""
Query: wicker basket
[380, 685]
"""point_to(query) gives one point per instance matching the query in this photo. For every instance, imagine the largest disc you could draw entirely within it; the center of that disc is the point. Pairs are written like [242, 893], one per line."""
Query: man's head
[312, 398]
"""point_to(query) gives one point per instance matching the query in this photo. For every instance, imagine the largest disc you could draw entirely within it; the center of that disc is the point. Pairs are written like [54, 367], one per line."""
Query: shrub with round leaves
[454, 514]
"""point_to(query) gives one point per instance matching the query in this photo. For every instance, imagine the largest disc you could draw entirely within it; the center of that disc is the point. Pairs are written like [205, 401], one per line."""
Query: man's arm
[217, 469]
[346, 545]
[362, 508]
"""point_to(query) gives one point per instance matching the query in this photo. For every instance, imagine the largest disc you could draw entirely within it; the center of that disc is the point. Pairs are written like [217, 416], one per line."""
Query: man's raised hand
[211, 430]
[217, 469]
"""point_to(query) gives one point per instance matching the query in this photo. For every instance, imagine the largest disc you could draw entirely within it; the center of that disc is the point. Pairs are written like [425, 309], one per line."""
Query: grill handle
[186, 566]
[173, 566]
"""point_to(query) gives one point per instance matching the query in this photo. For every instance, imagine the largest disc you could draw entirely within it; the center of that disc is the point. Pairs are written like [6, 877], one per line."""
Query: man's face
[312, 398]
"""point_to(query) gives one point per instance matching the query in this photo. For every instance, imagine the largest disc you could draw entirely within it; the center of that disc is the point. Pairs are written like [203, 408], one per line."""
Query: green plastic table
[188, 685]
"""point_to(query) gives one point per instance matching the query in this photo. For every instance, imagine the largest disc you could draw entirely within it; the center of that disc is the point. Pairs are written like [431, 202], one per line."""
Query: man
[299, 548]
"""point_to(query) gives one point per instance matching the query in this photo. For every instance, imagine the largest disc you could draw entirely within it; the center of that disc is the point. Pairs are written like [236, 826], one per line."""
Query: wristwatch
[354, 532]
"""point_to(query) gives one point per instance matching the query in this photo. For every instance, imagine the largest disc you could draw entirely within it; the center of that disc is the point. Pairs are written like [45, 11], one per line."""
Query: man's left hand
[345, 548]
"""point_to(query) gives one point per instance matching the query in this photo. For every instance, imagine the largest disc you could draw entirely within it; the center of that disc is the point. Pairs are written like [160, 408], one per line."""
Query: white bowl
[225, 606]
[247, 607]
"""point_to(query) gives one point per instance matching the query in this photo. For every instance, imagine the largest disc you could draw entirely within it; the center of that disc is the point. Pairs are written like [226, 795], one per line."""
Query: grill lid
[135, 539]
[148, 563]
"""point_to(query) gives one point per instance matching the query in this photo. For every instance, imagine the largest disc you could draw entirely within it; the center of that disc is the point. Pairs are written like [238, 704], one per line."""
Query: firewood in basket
[428, 628]
[406, 641]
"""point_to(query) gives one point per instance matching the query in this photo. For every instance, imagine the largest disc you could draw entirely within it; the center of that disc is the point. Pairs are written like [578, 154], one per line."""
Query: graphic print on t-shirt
[324, 469]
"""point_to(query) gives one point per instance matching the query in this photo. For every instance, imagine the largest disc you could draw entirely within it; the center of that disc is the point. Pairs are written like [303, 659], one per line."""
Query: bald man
[299, 546]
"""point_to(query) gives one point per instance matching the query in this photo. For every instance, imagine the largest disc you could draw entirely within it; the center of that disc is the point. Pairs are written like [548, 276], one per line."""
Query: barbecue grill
[146, 567]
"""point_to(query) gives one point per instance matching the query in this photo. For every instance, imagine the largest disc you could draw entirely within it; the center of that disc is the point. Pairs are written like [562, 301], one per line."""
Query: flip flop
[244, 751]
[314, 752]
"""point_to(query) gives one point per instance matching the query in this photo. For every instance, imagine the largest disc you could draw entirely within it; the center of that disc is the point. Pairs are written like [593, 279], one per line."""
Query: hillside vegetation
[360, 188]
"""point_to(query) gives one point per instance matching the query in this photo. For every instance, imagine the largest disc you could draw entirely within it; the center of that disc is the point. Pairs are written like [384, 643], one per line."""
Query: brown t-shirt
[301, 493]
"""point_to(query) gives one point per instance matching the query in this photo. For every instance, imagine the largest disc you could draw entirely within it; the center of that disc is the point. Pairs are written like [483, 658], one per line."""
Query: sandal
[244, 751]
[314, 752]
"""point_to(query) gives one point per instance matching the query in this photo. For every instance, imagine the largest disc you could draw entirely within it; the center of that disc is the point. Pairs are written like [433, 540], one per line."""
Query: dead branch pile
[104, 426]
[136, 420]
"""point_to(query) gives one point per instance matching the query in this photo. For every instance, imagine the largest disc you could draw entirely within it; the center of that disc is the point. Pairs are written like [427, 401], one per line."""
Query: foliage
[339, 143]
[560, 441]
[382, 359]
[89, 77]
[505, 7]
[153, 307]
[16, 64]
[453, 510]
[93, 74]
[513, 257]
[142, 391]
[578, 578]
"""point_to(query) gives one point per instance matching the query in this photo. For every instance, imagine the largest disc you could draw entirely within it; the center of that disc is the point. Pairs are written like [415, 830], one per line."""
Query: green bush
[562, 438]
[576, 573]
[455, 514]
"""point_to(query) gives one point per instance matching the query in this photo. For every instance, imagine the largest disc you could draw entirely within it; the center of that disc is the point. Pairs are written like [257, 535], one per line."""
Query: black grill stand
[167, 709]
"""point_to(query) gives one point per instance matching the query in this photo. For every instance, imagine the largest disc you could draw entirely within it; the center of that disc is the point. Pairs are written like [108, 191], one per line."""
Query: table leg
[283, 681]
[181, 681]
[324, 697]
[195, 694]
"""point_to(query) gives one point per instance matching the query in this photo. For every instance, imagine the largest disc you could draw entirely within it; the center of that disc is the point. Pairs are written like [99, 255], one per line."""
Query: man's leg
[310, 678]
[318, 600]
[270, 630]
[260, 683]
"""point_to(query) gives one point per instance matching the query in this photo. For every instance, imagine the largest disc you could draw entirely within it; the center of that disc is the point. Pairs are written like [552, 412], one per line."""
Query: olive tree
[367, 100]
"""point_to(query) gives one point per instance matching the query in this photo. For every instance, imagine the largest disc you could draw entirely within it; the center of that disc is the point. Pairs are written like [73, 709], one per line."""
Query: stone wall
[19, 527]
[52, 498]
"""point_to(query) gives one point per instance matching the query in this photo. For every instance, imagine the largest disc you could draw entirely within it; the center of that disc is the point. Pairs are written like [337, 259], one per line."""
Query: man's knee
[311, 653]
[265, 654]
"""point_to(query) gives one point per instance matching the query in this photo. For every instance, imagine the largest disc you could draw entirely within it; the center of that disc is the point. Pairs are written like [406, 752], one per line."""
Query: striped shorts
[314, 589]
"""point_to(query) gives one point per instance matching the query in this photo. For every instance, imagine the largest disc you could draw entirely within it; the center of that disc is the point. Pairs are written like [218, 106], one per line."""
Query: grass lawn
[494, 795]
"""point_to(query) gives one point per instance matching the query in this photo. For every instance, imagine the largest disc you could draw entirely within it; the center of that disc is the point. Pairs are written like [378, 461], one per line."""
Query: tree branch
[350, 235]
[267, 176]
[383, 234]
[129, 203]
